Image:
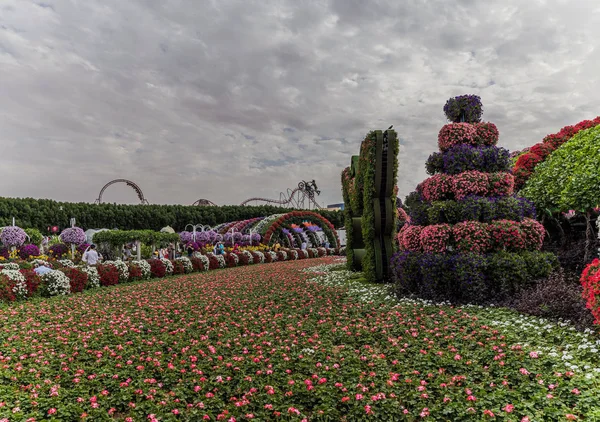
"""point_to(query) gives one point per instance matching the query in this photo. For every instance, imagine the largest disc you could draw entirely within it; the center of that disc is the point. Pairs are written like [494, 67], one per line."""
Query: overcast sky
[229, 99]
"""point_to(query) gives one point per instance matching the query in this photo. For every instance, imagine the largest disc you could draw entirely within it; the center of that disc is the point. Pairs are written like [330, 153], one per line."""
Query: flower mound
[590, 280]
[12, 236]
[73, 236]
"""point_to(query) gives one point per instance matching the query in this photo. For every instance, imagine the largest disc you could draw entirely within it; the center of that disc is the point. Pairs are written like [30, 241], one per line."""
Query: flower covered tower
[469, 239]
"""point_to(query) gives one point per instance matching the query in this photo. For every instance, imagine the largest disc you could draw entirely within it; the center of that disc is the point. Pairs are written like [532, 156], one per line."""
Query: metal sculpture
[135, 187]
[204, 203]
[300, 197]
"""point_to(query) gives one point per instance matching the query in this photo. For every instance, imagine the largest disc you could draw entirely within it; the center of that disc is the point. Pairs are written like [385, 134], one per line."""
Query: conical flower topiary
[469, 238]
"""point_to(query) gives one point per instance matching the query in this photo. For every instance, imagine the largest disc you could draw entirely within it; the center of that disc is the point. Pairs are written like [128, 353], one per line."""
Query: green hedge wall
[42, 213]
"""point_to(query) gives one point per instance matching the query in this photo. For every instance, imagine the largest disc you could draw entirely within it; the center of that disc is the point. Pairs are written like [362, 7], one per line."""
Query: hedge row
[43, 213]
[468, 277]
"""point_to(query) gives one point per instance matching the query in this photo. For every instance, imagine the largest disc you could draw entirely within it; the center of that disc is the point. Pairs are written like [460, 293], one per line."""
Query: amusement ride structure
[134, 186]
[301, 197]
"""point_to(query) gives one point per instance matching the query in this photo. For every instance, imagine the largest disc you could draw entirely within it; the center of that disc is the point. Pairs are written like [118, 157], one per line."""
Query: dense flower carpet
[285, 342]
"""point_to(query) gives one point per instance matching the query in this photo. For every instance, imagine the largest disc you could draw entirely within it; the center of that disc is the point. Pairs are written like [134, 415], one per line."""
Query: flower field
[284, 342]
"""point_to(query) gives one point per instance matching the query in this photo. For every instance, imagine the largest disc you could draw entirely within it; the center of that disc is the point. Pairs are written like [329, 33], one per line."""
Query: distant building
[336, 207]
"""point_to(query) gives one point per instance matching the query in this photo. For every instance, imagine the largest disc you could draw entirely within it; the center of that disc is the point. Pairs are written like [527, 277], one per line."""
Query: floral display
[465, 217]
[66, 263]
[530, 158]
[144, 268]
[28, 250]
[57, 283]
[379, 358]
[78, 279]
[187, 264]
[13, 236]
[122, 268]
[590, 280]
[93, 276]
[186, 237]
[20, 287]
[73, 236]
[465, 108]
[58, 250]
[168, 265]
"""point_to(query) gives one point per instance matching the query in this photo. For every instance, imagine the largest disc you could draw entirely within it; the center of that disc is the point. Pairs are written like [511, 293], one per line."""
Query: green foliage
[367, 170]
[43, 213]
[35, 236]
[148, 237]
[570, 176]
[346, 181]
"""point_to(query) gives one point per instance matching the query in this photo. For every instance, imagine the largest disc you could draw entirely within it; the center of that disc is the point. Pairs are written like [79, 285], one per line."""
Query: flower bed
[338, 349]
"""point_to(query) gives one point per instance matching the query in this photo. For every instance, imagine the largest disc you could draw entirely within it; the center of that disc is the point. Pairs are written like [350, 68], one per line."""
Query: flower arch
[285, 221]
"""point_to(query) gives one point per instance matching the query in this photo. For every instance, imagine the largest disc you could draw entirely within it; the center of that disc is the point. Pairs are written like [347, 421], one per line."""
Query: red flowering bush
[435, 238]
[526, 163]
[32, 280]
[109, 274]
[197, 264]
[528, 160]
[534, 233]
[78, 279]
[178, 267]
[268, 258]
[506, 235]
[135, 272]
[410, 238]
[486, 134]
[213, 262]
[590, 281]
[470, 183]
[542, 150]
[157, 268]
[436, 187]
[232, 259]
[471, 236]
[501, 184]
[282, 256]
[6, 289]
[456, 133]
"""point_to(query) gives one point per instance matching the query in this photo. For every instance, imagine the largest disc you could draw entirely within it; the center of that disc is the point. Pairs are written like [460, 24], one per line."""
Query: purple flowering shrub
[12, 236]
[466, 108]
[28, 250]
[461, 158]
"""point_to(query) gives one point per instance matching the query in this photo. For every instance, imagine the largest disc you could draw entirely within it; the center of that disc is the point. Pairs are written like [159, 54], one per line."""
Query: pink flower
[508, 408]
[51, 411]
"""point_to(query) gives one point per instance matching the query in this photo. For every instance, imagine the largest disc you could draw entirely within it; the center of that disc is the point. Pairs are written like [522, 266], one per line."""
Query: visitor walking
[91, 256]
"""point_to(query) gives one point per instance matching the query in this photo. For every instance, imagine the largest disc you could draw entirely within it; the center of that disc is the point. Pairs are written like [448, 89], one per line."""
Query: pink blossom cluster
[470, 183]
[444, 186]
[473, 236]
[409, 237]
[507, 235]
[534, 233]
[483, 133]
[435, 238]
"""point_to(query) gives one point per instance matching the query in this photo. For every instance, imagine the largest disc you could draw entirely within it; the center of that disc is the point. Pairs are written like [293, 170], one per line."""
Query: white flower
[122, 268]
[168, 265]
[12, 266]
[261, 257]
[93, 276]
[144, 266]
[187, 264]
[248, 255]
[67, 263]
[20, 288]
[58, 283]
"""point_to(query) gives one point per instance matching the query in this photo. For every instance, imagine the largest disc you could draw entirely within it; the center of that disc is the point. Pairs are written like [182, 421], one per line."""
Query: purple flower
[464, 108]
[73, 235]
[186, 237]
[28, 250]
[13, 236]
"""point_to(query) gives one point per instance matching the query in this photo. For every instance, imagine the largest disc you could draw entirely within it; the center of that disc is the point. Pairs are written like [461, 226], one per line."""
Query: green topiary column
[369, 191]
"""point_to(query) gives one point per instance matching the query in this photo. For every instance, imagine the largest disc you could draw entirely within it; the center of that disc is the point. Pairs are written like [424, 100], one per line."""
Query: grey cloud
[234, 98]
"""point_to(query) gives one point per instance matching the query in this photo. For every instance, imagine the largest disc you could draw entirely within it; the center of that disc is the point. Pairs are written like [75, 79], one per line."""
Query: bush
[58, 250]
[197, 264]
[232, 259]
[6, 289]
[28, 250]
[467, 277]
[32, 280]
[178, 267]
[478, 208]
[78, 279]
[559, 296]
[109, 274]
[590, 281]
[135, 272]
[157, 268]
[461, 158]
[464, 107]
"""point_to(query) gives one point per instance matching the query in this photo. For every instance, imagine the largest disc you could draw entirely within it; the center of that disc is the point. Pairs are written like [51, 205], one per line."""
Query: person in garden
[190, 249]
[91, 256]
[127, 253]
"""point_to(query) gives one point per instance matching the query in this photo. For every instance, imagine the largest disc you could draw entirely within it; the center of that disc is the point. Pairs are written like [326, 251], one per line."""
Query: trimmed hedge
[468, 277]
[44, 213]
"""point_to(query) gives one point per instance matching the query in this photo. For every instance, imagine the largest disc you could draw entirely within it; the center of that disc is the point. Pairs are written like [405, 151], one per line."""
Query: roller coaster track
[298, 197]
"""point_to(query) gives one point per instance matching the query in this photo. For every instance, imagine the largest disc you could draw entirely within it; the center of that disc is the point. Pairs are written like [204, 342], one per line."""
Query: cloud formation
[229, 99]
